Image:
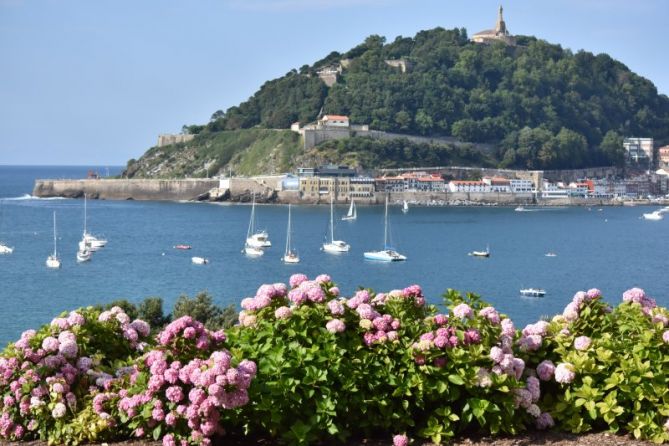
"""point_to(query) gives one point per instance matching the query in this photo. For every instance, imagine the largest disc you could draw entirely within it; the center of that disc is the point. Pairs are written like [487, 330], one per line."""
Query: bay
[612, 249]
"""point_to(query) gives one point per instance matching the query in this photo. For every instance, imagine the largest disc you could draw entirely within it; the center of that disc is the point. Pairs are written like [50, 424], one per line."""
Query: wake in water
[30, 197]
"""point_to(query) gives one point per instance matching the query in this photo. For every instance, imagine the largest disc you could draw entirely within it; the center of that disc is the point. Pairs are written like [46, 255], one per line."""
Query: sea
[609, 248]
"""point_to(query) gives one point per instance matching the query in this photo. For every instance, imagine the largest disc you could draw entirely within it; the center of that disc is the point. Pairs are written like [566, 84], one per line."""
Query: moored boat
[290, 255]
[485, 253]
[352, 213]
[387, 254]
[53, 261]
[334, 246]
[199, 260]
[533, 292]
[254, 238]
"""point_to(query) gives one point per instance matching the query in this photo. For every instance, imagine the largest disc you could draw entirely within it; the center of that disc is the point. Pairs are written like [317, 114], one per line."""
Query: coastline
[242, 189]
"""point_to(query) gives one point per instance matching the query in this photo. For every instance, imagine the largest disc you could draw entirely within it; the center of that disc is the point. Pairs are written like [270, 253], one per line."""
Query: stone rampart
[125, 189]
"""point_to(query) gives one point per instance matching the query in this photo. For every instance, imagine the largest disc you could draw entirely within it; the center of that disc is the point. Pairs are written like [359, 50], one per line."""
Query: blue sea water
[612, 249]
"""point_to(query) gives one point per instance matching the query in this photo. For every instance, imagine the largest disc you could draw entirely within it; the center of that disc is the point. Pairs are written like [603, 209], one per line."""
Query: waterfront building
[499, 34]
[361, 187]
[290, 182]
[468, 186]
[521, 186]
[389, 184]
[498, 184]
[553, 190]
[639, 149]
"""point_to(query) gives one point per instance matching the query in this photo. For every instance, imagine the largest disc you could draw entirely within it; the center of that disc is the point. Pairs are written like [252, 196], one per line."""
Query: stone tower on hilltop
[499, 34]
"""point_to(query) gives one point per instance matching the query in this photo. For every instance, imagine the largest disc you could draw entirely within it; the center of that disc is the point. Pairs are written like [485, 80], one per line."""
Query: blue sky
[94, 82]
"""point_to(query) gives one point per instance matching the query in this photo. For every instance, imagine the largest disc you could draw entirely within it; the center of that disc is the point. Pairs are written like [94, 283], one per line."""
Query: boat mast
[385, 226]
[55, 251]
[288, 234]
[85, 214]
[253, 210]
[331, 218]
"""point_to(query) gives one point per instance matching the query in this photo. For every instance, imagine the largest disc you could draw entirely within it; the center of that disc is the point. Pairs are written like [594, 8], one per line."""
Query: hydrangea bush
[47, 377]
[604, 368]
[305, 364]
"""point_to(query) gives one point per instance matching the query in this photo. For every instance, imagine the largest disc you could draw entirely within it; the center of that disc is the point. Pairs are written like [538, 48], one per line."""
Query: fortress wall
[111, 189]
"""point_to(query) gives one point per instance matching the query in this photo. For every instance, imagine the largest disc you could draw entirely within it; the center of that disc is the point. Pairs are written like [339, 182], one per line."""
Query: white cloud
[296, 5]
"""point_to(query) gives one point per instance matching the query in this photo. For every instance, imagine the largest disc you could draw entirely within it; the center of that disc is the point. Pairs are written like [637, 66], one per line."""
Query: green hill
[541, 105]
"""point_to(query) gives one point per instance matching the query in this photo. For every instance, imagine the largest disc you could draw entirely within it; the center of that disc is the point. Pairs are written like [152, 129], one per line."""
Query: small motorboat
[533, 292]
[653, 216]
[84, 255]
[252, 251]
[551, 254]
[520, 209]
[485, 253]
[4, 249]
[182, 247]
[199, 260]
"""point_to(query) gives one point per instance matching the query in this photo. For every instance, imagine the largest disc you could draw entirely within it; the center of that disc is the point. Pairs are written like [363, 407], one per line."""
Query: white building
[521, 186]
[552, 190]
[468, 186]
[498, 184]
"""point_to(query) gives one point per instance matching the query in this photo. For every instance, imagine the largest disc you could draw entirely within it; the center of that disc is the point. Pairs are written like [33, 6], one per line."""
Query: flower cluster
[573, 309]
[190, 332]
[45, 373]
[185, 393]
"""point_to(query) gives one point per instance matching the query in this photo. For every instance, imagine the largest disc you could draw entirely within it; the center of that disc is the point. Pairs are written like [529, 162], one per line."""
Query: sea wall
[108, 189]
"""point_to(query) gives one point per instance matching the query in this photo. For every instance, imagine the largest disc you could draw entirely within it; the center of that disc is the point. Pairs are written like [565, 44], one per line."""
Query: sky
[87, 82]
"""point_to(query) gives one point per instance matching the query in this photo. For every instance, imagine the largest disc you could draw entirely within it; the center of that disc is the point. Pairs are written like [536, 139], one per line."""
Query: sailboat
[405, 207]
[5, 249]
[334, 246]
[84, 253]
[387, 254]
[352, 213]
[290, 255]
[53, 261]
[256, 239]
[90, 241]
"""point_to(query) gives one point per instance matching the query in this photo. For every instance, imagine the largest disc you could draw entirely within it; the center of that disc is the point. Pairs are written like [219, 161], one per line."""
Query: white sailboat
[405, 207]
[53, 261]
[4, 248]
[387, 254]
[92, 242]
[84, 253]
[352, 213]
[254, 238]
[290, 255]
[334, 246]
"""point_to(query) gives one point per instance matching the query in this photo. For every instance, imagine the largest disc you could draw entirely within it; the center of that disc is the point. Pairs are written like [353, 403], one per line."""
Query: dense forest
[543, 106]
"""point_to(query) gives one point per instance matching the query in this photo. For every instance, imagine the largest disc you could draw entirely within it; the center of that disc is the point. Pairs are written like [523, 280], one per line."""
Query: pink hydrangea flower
[508, 329]
[296, 280]
[593, 293]
[496, 354]
[463, 311]
[545, 370]
[564, 373]
[400, 440]
[323, 278]
[665, 336]
[335, 326]
[491, 314]
[582, 343]
[334, 291]
[283, 312]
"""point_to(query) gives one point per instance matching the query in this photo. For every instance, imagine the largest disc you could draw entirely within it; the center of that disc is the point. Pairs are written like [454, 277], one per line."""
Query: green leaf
[456, 379]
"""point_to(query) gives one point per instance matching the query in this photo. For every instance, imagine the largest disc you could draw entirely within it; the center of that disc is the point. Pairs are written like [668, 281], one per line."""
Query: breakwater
[123, 189]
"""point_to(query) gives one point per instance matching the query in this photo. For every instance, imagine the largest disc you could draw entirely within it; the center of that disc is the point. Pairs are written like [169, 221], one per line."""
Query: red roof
[335, 118]
[430, 179]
